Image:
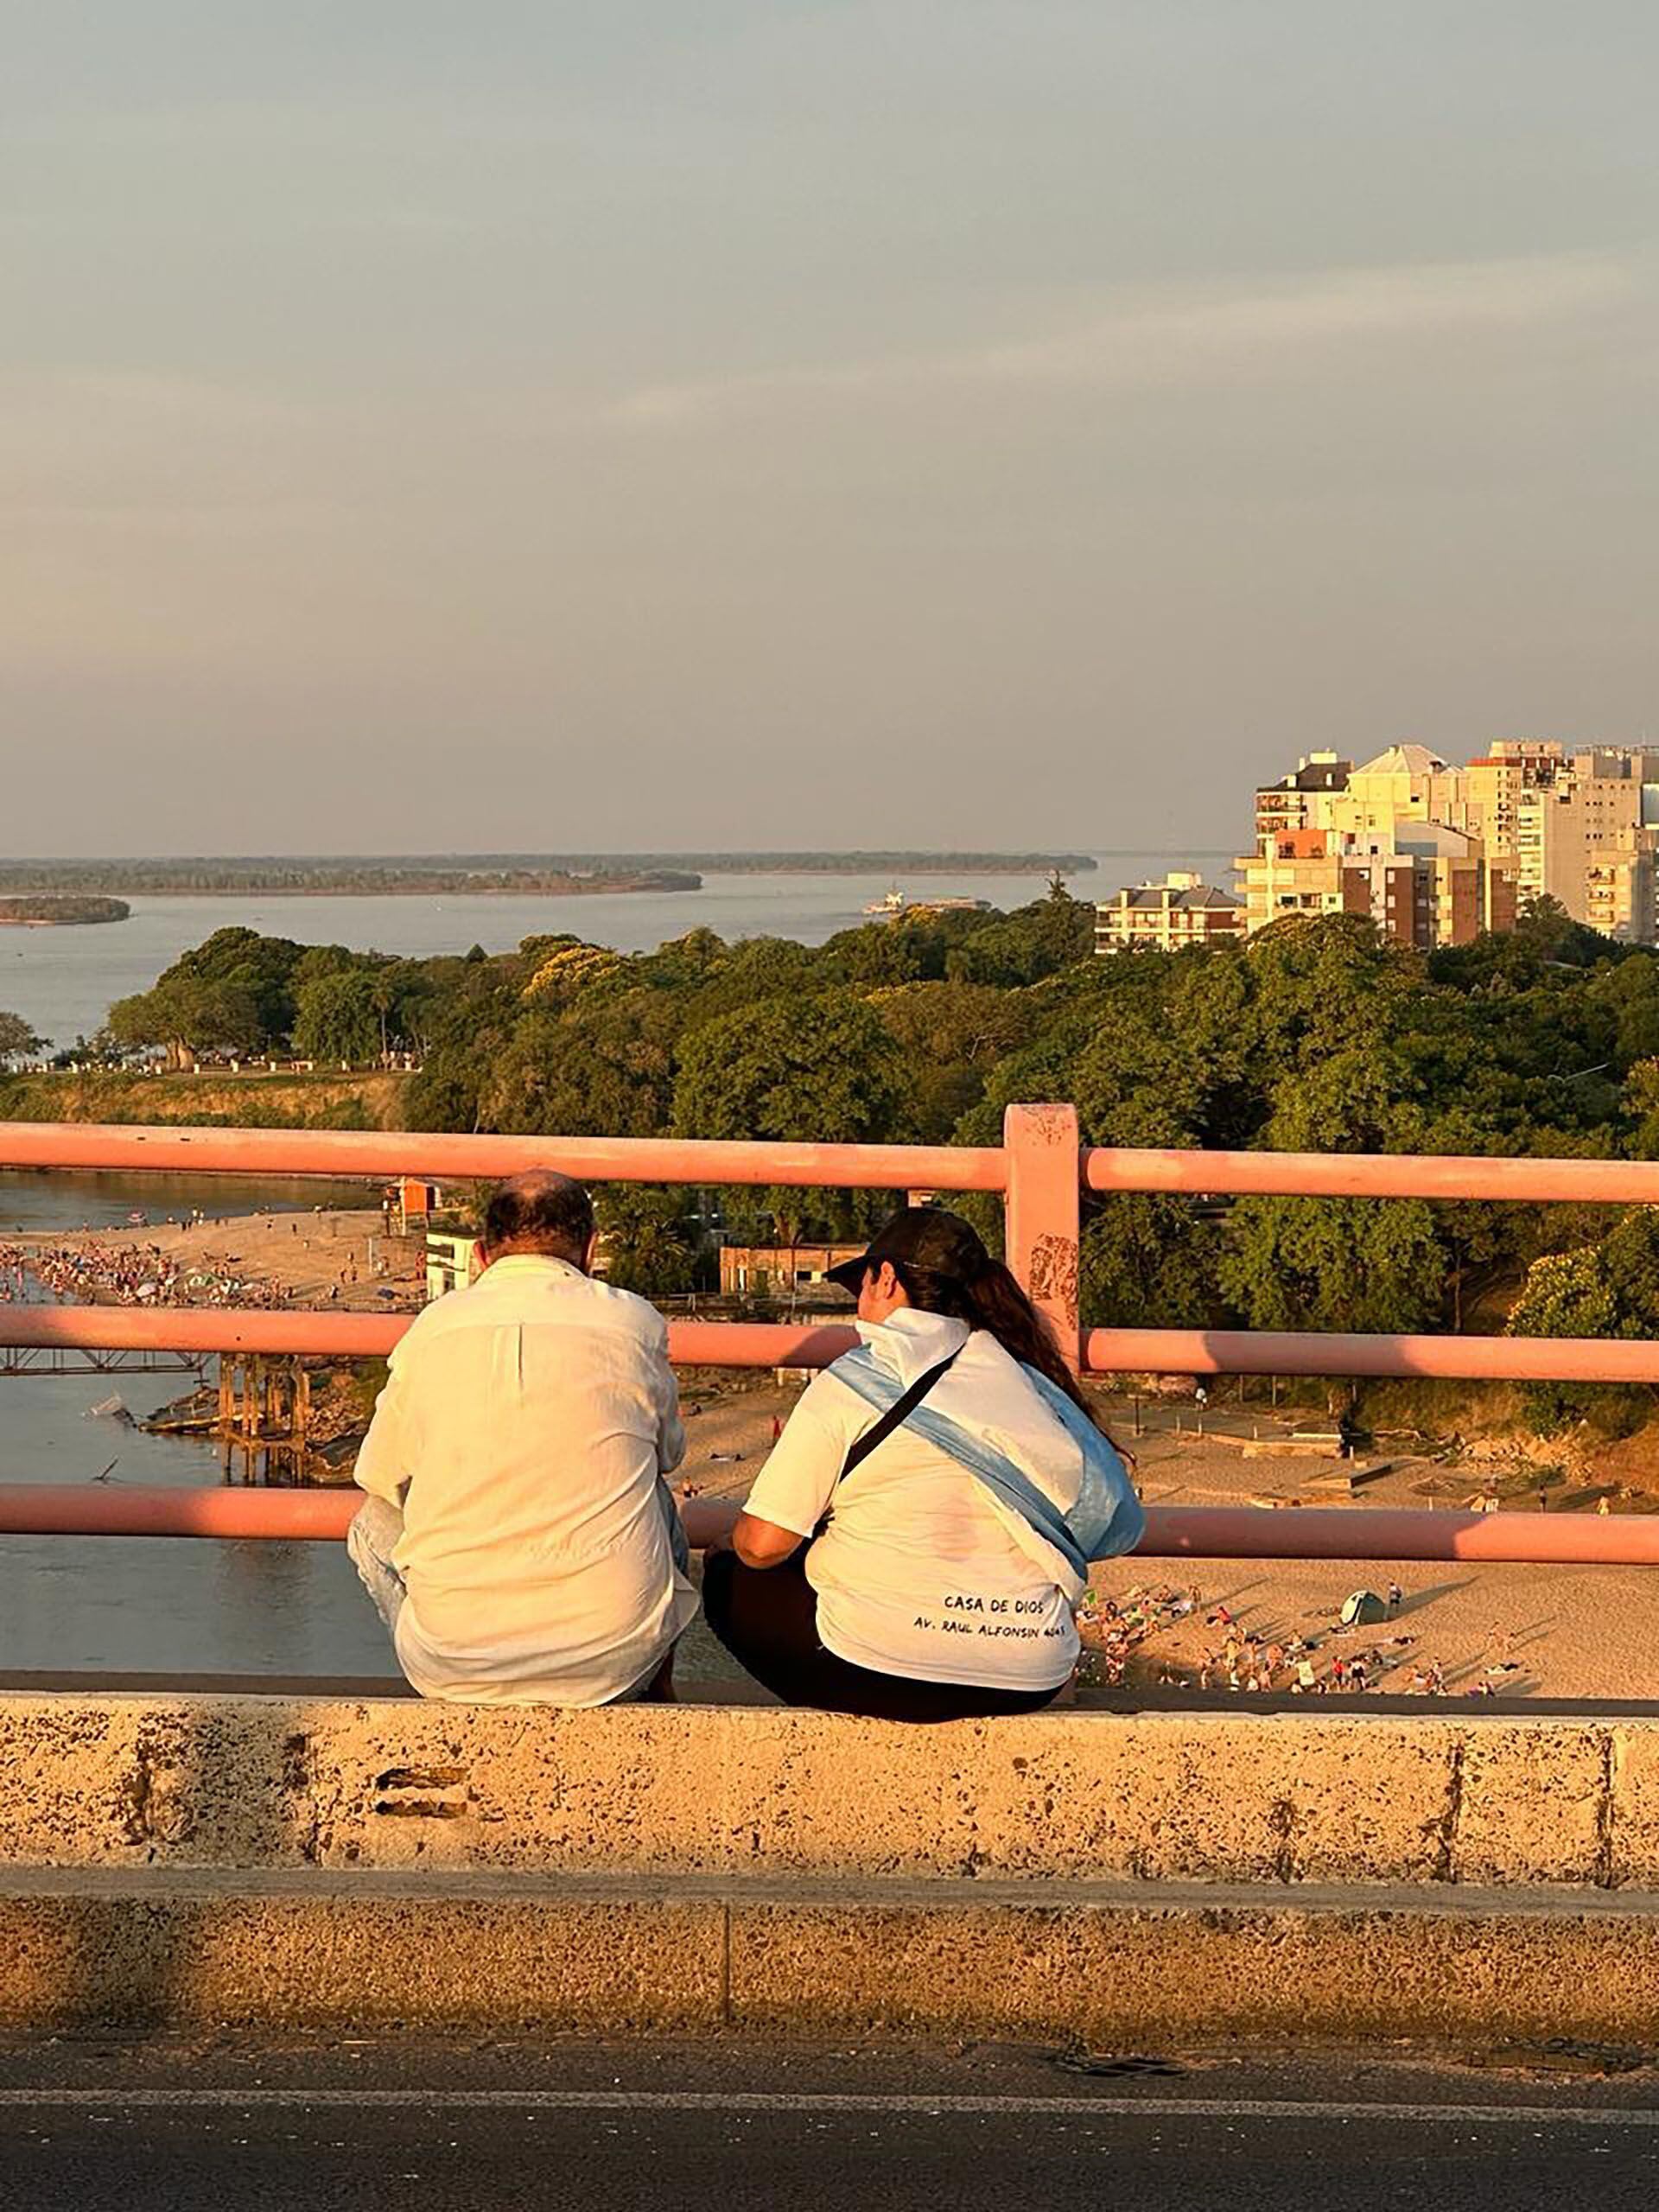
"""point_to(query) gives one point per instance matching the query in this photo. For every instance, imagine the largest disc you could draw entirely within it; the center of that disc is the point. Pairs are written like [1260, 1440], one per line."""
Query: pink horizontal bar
[1362, 1533]
[1372, 1175]
[740, 1344]
[1173, 1532]
[201, 1328]
[1245, 1351]
[372, 1153]
[101, 1509]
[366, 1336]
[758, 1344]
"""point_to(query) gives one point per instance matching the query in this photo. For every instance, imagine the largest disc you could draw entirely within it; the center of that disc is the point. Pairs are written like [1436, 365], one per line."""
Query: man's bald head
[540, 1211]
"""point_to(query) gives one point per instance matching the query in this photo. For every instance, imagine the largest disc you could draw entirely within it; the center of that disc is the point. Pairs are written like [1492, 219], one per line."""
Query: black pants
[767, 1618]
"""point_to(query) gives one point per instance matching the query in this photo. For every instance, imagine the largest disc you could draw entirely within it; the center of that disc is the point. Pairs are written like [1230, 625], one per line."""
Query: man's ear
[591, 1253]
[482, 1257]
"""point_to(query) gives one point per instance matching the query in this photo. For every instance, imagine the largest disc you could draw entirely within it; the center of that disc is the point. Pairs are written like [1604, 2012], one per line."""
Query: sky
[522, 425]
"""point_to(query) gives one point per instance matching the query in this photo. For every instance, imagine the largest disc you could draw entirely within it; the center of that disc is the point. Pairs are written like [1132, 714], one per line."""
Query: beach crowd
[1116, 1629]
[123, 1275]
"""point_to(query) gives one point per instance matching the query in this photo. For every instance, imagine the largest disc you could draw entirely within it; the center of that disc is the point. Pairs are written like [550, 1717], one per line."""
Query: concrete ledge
[120, 1781]
[1112, 1965]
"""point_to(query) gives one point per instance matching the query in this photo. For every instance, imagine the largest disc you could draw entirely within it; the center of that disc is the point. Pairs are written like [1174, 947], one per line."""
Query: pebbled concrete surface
[183, 1949]
[115, 1780]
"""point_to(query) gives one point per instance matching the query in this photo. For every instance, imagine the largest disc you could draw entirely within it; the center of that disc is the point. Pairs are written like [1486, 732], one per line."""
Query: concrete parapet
[1116, 1966]
[1310, 1797]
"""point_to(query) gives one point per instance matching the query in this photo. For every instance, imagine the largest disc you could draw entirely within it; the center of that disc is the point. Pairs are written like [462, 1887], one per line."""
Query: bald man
[517, 1536]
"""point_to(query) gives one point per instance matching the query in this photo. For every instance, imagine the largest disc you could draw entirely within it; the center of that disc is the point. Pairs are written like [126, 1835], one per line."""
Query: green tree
[18, 1039]
[599, 1068]
[188, 1015]
[1149, 1261]
[1608, 1288]
[651, 1239]
[760, 968]
[337, 1017]
[950, 1038]
[1034, 941]
[231, 993]
[1641, 1104]
[812, 1069]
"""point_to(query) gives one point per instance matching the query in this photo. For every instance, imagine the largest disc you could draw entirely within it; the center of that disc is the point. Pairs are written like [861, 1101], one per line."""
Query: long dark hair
[994, 1301]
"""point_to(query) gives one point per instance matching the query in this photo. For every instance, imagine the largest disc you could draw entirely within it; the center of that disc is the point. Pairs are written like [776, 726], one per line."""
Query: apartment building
[1422, 883]
[1496, 785]
[1304, 798]
[1589, 838]
[1181, 911]
[1527, 819]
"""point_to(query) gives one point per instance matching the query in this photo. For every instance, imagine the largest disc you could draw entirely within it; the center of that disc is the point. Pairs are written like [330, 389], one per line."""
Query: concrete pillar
[1043, 1213]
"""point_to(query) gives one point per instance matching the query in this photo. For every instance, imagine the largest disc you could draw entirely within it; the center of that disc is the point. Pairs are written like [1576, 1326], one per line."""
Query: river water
[131, 1605]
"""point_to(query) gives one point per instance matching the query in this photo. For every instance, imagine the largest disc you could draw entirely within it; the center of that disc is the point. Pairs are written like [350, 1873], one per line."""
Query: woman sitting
[915, 1545]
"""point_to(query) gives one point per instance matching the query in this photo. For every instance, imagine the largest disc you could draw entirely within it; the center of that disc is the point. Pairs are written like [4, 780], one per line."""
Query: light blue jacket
[1104, 1519]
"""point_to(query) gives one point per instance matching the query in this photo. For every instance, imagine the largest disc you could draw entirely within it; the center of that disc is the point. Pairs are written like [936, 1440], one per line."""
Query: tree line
[1317, 1035]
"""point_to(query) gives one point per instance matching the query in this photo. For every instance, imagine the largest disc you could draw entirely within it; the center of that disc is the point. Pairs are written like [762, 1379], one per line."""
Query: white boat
[900, 902]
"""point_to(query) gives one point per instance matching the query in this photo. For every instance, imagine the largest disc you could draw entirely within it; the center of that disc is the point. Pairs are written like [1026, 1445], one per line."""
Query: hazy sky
[667, 422]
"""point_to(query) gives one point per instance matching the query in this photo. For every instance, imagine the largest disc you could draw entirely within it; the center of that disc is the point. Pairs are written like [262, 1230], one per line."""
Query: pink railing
[1039, 1173]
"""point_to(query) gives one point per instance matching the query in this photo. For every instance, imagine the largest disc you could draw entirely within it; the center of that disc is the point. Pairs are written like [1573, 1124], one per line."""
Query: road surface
[380, 2126]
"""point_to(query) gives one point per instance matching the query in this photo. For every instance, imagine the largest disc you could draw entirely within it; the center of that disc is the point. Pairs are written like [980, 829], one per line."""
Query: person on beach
[518, 1537]
[917, 1542]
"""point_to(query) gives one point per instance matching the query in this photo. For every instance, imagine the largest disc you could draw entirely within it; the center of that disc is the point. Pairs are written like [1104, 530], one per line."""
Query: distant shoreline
[484, 874]
[320, 885]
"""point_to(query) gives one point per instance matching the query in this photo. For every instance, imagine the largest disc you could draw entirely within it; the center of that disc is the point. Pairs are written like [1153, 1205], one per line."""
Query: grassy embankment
[273, 1102]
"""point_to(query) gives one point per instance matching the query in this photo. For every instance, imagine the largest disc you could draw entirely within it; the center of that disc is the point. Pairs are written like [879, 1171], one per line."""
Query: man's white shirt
[522, 1435]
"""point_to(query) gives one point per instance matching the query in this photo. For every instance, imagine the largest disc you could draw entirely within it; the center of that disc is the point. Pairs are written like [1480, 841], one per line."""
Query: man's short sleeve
[666, 1395]
[799, 1479]
[385, 1459]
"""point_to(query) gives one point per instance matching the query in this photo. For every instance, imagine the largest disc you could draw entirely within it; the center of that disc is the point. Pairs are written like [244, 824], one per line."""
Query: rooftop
[1405, 760]
[1178, 891]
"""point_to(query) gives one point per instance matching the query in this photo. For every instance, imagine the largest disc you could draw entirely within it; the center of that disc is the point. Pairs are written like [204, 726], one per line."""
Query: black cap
[927, 1238]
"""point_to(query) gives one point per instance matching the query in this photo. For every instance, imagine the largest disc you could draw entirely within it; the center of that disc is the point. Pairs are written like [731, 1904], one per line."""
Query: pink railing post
[1043, 1208]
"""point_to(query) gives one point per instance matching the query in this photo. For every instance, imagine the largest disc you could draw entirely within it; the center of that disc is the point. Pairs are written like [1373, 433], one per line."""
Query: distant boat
[898, 902]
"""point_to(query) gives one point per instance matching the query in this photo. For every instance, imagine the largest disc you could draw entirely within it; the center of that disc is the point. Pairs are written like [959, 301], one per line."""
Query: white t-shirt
[920, 1572]
[522, 1434]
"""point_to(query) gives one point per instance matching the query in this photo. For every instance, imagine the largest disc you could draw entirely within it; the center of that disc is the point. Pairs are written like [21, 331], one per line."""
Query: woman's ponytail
[994, 1302]
[997, 1303]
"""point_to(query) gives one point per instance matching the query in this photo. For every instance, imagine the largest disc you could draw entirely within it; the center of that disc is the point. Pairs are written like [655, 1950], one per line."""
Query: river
[130, 1605]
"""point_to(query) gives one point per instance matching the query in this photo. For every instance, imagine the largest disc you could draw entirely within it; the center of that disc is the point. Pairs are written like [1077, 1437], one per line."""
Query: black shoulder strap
[897, 1413]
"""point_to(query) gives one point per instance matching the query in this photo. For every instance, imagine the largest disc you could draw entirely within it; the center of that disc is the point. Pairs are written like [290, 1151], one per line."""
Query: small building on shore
[780, 1270]
[409, 1206]
[448, 1261]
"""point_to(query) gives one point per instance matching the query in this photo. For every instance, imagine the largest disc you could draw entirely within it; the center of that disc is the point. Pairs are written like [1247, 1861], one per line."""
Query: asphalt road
[118, 2128]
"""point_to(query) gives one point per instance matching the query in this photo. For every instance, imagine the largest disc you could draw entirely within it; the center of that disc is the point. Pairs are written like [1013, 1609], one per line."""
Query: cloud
[1188, 335]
